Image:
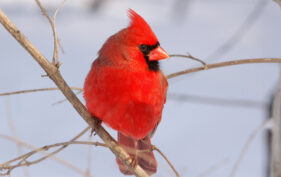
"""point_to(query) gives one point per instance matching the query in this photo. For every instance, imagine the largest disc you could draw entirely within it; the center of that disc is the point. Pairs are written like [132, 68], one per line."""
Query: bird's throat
[152, 65]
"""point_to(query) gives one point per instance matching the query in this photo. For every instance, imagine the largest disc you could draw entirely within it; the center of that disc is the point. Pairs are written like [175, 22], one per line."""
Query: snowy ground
[193, 135]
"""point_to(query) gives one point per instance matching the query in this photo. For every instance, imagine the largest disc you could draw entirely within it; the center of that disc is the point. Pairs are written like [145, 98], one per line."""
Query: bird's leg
[132, 165]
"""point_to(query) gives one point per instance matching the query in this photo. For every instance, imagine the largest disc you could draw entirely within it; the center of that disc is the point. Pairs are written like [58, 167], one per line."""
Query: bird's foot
[97, 123]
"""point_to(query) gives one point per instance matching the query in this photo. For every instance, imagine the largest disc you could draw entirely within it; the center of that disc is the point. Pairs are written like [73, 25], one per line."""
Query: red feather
[123, 92]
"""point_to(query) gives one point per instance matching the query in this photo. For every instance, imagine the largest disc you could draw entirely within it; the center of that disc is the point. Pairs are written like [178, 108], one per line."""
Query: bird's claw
[97, 123]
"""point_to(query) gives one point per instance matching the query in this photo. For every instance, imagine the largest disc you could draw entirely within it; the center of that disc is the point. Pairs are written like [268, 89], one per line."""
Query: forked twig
[56, 40]
[22, 158]
[53, 25]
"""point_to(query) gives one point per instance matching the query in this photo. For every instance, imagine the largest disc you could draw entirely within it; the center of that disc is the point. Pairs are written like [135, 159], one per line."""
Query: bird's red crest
[140, 28]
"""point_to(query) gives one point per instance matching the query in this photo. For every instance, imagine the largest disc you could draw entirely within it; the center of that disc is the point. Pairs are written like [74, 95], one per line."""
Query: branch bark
[276, 133]
[55, 75]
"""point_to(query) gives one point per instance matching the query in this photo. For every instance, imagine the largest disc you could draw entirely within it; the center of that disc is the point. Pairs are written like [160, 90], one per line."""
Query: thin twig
[50, 155]
[54, 74]
[44, 12]
[150, 149]
[23, 158]
[63, 147]
[56, 41]
[63, 100]
[53, 25]
[226, 63]
[180, 97]
[80, 90]
[246, 146]
[167, 160]
[190, 57]
[35, 90]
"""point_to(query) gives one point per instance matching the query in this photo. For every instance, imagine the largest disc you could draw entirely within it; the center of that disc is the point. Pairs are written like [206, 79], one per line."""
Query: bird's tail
[140, 152]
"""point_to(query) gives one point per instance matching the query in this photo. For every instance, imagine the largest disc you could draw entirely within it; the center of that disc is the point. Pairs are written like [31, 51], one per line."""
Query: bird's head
[143, 42]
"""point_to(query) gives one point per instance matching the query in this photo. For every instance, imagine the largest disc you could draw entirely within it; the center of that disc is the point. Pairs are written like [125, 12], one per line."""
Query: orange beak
[157, 54]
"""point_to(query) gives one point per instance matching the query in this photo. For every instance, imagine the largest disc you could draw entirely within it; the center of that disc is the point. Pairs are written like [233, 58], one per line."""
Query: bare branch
[275, 170]
[63, 100]
[44, 12]
[190, 57]
[54, 74]
[226, 63]
[36, 90]
[53, 25]
[56, 41]
[167, 160]
[22, 158]
[63, 147]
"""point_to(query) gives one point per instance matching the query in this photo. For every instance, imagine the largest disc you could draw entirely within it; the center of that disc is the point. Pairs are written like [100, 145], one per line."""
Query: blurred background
[209, 115]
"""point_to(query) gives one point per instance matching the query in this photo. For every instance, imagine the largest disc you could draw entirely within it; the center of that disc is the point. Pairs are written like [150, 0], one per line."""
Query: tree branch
[35, 90]
[275, 170]
[23, 158]
[54, 74]
[167, 160]
[223, 64]
[53, 25]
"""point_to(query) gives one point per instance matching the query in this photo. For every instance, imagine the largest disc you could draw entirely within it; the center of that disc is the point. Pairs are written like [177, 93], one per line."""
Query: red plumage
[126, 89]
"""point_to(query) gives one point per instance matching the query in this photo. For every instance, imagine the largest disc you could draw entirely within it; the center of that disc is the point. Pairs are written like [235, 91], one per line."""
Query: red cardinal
[126, 89]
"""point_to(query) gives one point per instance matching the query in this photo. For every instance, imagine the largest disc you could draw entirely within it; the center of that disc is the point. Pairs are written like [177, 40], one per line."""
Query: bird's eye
[144, 48]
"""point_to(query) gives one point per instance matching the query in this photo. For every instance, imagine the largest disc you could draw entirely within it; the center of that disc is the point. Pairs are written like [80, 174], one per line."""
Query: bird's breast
[129, 101]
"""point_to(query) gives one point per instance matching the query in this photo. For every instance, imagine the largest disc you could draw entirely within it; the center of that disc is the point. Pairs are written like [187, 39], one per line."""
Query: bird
[126, 89]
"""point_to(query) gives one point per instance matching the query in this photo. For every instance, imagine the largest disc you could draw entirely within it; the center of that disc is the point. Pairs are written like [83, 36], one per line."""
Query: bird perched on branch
[126, 89]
